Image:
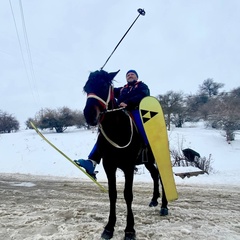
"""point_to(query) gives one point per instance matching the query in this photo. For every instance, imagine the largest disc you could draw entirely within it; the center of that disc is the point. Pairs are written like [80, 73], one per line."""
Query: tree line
[58, 119]
[218, 108]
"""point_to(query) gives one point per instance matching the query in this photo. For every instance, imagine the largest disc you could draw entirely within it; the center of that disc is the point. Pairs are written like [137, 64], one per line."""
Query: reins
[108, 139]
[106, 110]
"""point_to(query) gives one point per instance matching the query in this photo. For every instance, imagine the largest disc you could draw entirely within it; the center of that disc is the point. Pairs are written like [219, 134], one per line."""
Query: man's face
[131, 77]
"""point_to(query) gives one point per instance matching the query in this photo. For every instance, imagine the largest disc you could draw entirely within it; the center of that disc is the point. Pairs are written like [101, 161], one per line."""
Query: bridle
[106, 110]
[104, 103]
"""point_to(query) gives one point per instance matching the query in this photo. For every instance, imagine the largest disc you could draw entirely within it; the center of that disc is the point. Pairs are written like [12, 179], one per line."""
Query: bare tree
[200, 105]
[210, 88]
[8, 123]
[172, 104]
[226, 113]
[58, 119]
[194, 105]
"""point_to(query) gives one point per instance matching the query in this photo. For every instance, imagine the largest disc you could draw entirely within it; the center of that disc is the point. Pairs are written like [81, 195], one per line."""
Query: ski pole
[141, 12]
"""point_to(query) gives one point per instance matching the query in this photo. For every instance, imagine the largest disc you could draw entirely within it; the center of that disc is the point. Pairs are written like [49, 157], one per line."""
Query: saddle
[143, 155]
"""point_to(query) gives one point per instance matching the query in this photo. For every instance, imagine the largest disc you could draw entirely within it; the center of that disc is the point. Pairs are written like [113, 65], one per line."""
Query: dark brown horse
[120, 145]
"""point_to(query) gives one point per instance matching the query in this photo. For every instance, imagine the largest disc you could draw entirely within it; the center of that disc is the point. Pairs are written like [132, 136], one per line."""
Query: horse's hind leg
[155, 176]
[164, 209]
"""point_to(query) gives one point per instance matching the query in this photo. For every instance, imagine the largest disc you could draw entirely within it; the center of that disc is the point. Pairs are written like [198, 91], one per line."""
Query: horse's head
[99, 93]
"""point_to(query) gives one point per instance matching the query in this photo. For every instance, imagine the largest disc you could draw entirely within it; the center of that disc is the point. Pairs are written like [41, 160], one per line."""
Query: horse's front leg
[128, 196]
[112, 192]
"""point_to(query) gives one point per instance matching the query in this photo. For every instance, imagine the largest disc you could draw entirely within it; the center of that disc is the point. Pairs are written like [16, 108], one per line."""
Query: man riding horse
[129, 96]
[118, 141]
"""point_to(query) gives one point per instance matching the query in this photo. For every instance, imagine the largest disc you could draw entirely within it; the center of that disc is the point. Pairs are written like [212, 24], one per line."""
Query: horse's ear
[112, 75]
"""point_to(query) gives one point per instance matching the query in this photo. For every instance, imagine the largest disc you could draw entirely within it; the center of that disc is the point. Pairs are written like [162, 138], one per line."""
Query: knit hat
[133, 71]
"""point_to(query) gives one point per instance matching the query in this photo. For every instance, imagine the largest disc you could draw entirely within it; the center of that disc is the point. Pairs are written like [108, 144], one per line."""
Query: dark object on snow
[190, 154]
[189, 174]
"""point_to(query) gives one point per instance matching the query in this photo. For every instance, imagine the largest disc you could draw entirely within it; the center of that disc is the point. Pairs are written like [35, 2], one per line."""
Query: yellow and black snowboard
[155, 128]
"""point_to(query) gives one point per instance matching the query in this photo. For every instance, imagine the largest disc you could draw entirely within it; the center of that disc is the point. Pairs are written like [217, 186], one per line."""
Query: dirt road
[44, 208]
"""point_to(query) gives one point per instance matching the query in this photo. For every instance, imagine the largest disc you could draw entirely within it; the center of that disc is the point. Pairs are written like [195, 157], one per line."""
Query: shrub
[58, 119]
[8, 123]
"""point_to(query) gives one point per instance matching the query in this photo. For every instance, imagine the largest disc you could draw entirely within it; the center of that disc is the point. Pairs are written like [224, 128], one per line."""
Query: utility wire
[22, 53]
[19, 41]
[28, 47]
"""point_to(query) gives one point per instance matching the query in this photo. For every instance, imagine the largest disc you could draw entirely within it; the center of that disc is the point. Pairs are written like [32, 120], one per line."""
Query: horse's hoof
[107, 234]
[163, 211]
[153, 203]
[130, 236]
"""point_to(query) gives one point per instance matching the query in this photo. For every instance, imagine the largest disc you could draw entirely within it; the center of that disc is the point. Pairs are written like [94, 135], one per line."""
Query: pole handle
[141, 12]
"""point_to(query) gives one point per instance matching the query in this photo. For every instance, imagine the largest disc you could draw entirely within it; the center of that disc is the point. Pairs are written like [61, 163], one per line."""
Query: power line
[27, 45]
[32, 80]
[19, 41]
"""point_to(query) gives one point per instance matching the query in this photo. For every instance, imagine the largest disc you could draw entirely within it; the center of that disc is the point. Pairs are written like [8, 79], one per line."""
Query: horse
[120, 145]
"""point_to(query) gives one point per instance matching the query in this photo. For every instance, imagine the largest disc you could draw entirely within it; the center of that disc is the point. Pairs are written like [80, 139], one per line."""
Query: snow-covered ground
[44, 196]
[25, 152]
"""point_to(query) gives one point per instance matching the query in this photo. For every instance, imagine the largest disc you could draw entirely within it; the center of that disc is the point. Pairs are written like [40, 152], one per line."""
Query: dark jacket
[131, 94]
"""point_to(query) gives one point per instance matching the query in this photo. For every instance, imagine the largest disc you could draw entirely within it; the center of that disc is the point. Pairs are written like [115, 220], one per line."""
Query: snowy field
[44, 196]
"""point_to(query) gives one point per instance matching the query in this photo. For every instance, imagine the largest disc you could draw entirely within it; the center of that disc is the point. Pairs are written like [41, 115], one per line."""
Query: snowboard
[155, 128]
[69, 159]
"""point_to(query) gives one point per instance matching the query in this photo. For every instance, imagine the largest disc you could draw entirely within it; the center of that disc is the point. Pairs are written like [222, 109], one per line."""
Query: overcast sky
[175, 46]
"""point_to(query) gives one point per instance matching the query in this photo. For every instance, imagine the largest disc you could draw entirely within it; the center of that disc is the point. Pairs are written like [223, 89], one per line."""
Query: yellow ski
[69, 159]
[155, 128]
